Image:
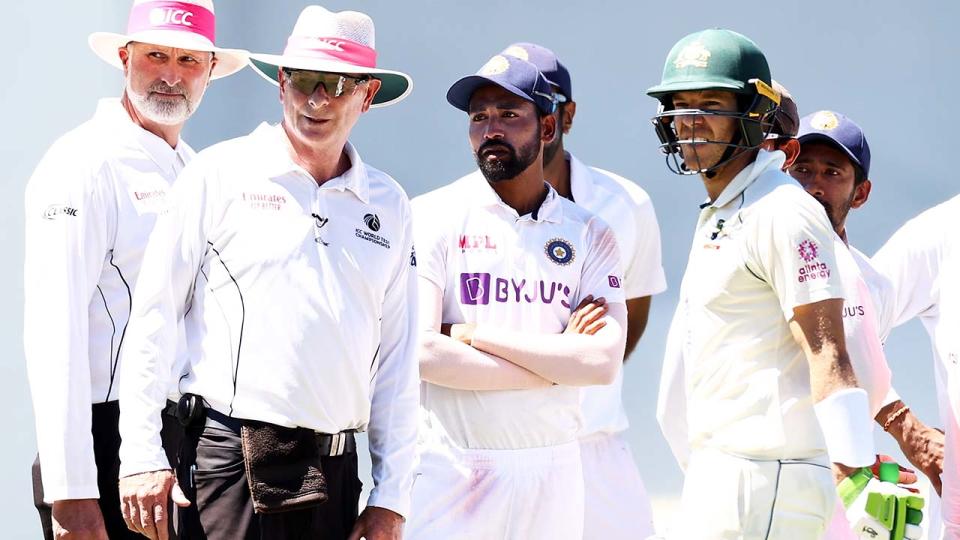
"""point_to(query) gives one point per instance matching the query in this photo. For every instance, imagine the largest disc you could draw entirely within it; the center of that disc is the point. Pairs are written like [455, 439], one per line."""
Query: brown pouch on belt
[283, 467]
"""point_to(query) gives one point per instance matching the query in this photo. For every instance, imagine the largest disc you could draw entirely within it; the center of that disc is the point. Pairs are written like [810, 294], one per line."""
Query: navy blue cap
[547, 62]
[843, 132]
[510, 73]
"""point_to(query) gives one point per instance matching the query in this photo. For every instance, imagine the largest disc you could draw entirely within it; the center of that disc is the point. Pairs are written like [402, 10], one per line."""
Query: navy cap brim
[823, 137]
[461, 91]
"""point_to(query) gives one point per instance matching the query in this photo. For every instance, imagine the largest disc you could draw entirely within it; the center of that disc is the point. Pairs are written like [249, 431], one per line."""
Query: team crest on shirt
[560, 251]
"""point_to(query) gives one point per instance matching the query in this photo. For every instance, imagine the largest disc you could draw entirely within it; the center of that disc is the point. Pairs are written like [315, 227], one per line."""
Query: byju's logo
[372, 221]
[474, 289]
[479, 288]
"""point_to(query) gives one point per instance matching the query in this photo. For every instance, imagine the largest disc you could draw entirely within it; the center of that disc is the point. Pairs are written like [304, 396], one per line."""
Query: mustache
[164, 88]
[490, 144]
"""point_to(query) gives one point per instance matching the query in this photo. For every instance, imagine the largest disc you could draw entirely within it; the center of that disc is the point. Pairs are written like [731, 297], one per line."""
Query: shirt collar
[276, 162]
[764, 162]
[581, 180]
[111, 114]
[483, 194]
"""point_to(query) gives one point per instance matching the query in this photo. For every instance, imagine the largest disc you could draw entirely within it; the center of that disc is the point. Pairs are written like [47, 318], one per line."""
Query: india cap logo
[495, 66]
[517, 52]
[693, 55]
[824, 121]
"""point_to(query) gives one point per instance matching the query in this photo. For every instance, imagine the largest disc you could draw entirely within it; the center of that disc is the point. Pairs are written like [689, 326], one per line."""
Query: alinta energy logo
[481, 288]
[813, 269]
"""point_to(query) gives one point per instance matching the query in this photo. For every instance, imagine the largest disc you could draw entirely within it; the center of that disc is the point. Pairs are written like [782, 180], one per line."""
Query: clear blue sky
[889, 65]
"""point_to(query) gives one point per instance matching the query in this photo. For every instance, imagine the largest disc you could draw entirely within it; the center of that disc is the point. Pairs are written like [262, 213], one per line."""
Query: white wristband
[847, 427]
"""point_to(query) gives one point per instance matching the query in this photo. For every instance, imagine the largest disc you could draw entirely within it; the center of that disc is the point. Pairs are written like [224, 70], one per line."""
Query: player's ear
[548, 128]
[861, 193]
[567, 112]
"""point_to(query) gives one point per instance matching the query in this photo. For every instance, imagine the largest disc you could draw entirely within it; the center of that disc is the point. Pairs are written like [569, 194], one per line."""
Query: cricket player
[770, 389]
[521, 304]
[833, 166]
[617, 505]
[922, 260]
[90, 207]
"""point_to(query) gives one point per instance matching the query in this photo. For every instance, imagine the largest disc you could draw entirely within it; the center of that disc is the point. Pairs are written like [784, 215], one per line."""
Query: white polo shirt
[525, 273]
[762, 248]
[862, 286]
[628, 211]
[90, 206]
[298, 300]
[922, 260]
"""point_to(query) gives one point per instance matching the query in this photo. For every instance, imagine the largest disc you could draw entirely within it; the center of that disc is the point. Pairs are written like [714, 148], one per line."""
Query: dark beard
[513, 164]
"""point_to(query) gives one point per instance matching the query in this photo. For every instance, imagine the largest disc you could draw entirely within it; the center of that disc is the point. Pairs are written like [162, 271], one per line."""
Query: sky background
[891, 66]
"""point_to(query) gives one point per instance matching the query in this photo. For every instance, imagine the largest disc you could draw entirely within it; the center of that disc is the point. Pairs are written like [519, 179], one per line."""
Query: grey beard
[162, 111]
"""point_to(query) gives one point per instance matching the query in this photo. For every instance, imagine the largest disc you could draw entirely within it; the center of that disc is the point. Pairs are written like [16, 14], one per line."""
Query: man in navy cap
[521, 305]
[833, 166]
[617, 505]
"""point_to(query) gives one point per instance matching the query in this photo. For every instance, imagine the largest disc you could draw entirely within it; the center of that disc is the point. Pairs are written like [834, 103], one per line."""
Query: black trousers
[212, 474]
[106, 448]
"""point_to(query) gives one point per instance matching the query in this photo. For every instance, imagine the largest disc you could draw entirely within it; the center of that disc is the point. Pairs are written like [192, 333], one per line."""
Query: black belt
[331, 445]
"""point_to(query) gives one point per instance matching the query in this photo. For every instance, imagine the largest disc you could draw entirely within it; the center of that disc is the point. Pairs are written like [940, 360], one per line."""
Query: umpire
[289, 262]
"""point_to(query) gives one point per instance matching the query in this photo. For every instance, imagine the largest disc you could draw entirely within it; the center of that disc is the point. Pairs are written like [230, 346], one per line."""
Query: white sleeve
[643, 274]
[794, 254]
[672, 394]
[170, 265]
[394, 407]
[911, 261]
[70, 217]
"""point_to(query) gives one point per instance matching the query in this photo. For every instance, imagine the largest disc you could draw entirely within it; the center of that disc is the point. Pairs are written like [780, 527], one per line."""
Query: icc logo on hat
[164, 15]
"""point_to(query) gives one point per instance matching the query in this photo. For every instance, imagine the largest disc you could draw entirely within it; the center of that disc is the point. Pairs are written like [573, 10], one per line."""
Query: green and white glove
[880, 509]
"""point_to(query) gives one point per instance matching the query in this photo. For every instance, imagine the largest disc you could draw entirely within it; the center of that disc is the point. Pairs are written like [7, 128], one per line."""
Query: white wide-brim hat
[186, 24]
[340, 42]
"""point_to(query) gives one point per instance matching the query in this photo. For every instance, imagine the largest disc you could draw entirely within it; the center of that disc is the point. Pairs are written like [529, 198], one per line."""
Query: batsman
[777, 424]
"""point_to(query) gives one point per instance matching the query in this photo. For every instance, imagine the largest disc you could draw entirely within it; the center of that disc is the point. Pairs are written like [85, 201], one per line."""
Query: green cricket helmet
[716, 59]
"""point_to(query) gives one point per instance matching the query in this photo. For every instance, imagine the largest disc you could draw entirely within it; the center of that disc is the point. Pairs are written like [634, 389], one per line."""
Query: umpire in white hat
[289, 262]
[90, 206]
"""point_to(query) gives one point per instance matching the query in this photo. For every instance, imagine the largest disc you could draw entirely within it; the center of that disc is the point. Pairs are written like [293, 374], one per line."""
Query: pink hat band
[176, 16]
[337, 49]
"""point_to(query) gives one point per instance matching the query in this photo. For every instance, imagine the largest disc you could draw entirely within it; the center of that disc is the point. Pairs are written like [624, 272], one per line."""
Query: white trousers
[728, 497]
[617, 505]
[528, 494]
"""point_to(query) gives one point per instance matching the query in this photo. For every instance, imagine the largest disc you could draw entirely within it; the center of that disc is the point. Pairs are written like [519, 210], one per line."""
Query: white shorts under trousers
[528, 494]
[728, 497]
